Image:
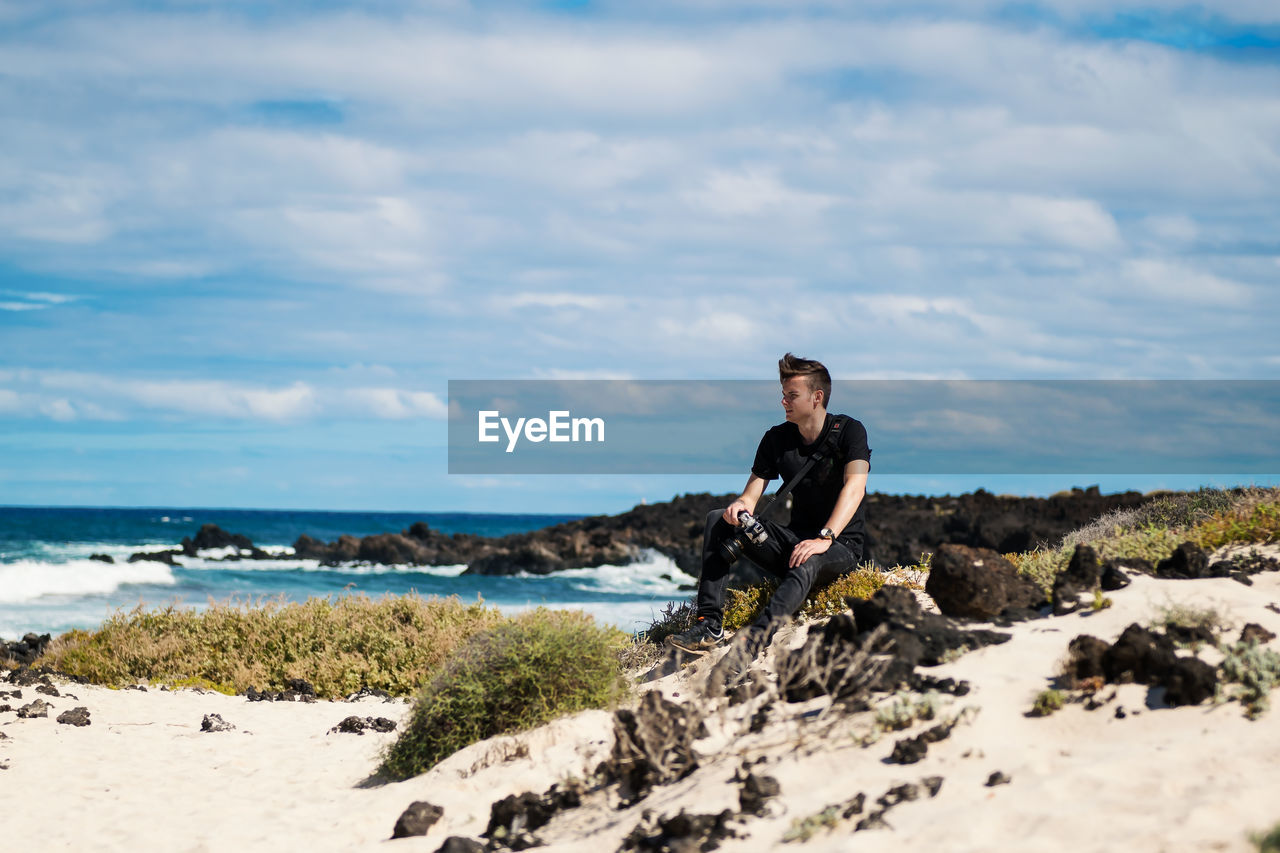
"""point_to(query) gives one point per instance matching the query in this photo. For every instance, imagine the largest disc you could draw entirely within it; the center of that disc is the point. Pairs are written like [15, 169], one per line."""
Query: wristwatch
[826, 533]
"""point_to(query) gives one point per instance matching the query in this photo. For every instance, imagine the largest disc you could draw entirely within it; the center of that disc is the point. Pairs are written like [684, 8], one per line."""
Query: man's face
[798, 401]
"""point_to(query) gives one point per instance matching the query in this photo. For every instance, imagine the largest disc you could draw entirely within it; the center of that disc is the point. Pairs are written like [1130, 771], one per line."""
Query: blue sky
[243, 252]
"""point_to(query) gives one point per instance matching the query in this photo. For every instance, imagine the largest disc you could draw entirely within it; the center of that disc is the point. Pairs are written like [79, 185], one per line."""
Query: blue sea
[49, 584]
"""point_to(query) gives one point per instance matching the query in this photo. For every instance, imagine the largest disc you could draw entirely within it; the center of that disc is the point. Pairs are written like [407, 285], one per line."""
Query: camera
[749, 530]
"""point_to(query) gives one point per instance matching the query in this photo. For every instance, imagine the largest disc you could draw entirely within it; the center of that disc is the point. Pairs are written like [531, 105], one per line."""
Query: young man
[824, 537]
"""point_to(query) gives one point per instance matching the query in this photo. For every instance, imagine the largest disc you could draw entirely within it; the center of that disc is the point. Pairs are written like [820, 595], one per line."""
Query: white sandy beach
[143, 776]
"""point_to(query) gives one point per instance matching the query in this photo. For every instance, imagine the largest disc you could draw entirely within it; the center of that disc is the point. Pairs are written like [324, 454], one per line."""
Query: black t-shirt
[782, 453]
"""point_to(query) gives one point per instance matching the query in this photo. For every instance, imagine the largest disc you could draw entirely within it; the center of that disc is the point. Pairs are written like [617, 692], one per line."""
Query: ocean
[48, 583]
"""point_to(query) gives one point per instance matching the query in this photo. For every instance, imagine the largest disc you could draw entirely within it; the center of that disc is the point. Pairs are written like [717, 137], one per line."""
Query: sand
[144, 776]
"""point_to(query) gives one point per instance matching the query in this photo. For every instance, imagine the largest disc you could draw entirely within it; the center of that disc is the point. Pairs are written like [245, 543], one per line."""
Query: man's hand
[731, 514]
[806, 548]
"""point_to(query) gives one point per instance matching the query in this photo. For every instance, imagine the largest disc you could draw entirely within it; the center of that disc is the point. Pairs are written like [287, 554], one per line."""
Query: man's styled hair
[815, 374]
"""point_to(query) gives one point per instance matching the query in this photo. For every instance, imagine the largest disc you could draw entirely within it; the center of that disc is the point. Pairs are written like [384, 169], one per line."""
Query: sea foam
[28, 580]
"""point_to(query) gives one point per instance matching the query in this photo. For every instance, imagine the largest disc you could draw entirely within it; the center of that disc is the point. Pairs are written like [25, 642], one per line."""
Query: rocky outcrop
[417, 819]
[899, 529]
[1141, 656]
[978, 583]
[25, 651]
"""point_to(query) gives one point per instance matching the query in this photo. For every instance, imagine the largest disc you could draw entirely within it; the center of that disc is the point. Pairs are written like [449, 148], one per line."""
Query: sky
[244, 247]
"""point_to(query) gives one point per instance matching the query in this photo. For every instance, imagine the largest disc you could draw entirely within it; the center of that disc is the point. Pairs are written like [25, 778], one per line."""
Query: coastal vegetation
[338, 645]
[1208, 518]
[513, 676]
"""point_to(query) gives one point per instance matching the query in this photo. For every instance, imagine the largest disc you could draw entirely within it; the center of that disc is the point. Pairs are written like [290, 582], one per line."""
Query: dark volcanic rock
[910, 637]
[1255, 633]
[997, 778]
[755, 793]
[48, 690]
[1145, 657]
[899, 529]
[165, 557]
[1084, 659]
[1188, 562]
[1189, 681]
[357, 725]
[683, 833]
[1139, 655]
[213, 537]
[26, 650]
[513, 818]
[417, 819]
[74, 717]
[912, 749]
[460, 844]
[1082, 575]
[533, 559]
[653, 745]
[977, 583]
[38, 708]
[102, 558]
[1114, 577]
[215, 723]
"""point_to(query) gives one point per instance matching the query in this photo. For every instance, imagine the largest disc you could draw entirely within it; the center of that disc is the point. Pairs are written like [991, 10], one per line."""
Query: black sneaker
[700, 638]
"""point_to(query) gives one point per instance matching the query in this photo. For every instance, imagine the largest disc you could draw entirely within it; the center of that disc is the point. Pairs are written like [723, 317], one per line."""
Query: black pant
[772, 557]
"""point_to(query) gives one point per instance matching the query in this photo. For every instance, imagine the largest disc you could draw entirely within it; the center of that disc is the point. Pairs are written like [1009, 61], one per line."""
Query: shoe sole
[693, 649]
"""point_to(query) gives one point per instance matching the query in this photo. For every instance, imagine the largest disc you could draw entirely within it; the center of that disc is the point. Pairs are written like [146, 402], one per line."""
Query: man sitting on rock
[824, 537]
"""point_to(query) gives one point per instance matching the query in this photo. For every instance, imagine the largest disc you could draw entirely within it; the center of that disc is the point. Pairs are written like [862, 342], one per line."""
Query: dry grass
[338, 645]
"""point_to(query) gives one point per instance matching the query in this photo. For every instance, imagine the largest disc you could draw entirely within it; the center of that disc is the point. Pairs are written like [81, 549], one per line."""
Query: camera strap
[819, 453]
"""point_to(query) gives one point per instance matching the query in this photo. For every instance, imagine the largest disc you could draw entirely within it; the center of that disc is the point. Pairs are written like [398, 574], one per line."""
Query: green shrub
[338, 645]
[523, 672]
[1267, 842]
[1047, 702]
[1257, 672]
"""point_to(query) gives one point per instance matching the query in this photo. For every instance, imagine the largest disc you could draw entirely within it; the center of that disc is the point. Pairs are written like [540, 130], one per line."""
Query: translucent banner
[1077, 427]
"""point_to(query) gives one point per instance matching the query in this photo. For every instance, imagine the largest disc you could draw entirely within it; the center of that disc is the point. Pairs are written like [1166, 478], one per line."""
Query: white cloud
[66, 395]
[1180, 282]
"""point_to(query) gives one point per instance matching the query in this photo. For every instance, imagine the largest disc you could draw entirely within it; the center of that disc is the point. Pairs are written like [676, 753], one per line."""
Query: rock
[515, 815]
[1139, 655]
[653, 745]
[912, 749]
[74, 717]
[48, 690]
[1255, 633]
[1083, 571]
[977, 583]
[24, 651]
[417, 819]
[904, 793]
[875, 820]
[997, 778]
[215, 723]
[38, 708]
[300, 686]
[102, 558]
[755, 793]
[1113, 577]
[165, 557]
[1084, 659]
[1188, 562]
[357, 725]
[684, 832]
[213, 537]
[1189, 681]
[908, 751]
[461, 844]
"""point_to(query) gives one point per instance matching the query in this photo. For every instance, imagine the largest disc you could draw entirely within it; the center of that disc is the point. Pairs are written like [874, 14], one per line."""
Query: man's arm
[851, 495]
[750, 496]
